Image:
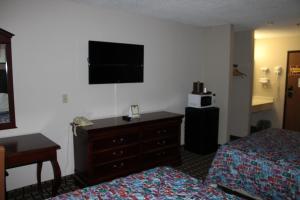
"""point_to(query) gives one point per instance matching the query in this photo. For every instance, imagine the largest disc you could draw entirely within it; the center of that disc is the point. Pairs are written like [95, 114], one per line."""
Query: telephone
[82, 121]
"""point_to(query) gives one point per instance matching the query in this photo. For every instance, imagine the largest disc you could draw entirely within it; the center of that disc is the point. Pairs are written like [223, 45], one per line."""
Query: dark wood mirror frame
[5, 38]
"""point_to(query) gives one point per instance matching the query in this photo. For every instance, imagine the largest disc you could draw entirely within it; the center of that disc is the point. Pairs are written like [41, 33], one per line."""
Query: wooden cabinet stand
[33, 148]
[113, 147]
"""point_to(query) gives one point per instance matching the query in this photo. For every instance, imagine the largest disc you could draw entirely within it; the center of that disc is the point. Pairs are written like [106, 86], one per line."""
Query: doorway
[270, 80]
[292, 93]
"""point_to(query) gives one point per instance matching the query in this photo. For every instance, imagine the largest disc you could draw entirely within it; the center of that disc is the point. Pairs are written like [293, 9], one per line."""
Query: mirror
[7, 109]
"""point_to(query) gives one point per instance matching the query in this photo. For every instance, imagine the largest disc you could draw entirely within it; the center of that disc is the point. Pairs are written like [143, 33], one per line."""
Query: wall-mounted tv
[111, 62]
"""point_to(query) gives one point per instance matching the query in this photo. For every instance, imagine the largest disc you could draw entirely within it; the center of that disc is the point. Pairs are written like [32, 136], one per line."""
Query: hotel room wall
[270, 53]
[241, 87]
[217, 71]
[50, 50]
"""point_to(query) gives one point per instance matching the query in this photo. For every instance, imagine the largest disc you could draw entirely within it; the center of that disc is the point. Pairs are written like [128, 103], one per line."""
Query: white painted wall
[217, 71]
[270, 53]
[241, 87]
[50, 48]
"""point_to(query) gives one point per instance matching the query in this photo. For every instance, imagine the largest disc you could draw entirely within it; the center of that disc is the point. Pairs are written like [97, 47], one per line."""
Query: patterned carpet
[192, 164]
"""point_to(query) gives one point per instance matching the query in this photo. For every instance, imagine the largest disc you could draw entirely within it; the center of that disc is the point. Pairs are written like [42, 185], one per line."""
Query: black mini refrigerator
[201, 129]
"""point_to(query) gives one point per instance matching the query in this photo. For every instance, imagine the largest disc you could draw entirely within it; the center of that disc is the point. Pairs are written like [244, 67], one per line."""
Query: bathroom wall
[270, 53]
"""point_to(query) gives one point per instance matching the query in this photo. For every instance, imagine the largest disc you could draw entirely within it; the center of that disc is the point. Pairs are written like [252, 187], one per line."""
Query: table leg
[38, 175]
[5, 196]
[57, 176]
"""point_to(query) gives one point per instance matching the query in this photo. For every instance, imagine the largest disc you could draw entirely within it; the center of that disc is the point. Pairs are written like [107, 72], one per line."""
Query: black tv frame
[111, 62]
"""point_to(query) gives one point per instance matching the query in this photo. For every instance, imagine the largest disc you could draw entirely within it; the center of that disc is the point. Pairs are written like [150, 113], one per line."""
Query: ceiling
[243, 14]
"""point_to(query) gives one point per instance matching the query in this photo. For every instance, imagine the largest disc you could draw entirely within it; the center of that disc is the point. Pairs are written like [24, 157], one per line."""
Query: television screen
[115, 62]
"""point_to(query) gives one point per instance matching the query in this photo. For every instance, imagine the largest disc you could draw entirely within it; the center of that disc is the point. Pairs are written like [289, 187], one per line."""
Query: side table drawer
[28, 158]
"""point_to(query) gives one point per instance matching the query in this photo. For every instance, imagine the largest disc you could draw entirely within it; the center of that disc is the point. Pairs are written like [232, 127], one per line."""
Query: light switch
[65, 98]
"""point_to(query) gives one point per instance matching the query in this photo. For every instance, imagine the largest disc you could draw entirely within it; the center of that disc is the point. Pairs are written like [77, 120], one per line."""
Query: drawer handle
[161, 153]
[163, 142]
[116, 153]
[120, 141]
[161, 131]
[118, 166]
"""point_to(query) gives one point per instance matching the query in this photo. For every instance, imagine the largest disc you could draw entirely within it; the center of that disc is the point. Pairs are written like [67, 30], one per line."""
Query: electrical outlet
[65, 98]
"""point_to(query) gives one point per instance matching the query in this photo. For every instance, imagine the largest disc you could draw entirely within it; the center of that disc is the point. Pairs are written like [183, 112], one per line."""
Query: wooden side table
[29, 149]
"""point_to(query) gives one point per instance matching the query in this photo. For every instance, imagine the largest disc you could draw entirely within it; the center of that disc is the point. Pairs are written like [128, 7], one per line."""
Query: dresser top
[118, 121]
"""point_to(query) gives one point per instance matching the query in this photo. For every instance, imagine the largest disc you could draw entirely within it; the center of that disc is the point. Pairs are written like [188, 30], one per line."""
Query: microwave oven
[201, 100]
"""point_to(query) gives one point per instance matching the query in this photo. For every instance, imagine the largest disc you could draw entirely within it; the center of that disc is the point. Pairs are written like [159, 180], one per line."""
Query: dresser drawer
[116, 167]
[159, 157]
[160, 143]
[114, 141]
[114, 154]
[161, 129]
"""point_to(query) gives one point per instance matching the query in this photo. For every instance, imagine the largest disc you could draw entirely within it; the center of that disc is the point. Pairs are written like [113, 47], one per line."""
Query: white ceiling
[243, 14]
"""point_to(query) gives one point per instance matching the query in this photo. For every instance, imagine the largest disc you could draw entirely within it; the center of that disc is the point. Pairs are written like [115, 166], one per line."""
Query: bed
[265, 164]
[161, 183]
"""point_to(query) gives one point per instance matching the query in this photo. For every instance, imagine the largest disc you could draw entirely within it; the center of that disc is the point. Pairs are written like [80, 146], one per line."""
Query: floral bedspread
[161, 183]
[265, 164]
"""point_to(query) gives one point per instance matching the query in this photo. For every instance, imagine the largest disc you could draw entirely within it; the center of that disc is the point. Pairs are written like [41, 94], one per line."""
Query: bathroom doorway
[292, 92]
[270, 82]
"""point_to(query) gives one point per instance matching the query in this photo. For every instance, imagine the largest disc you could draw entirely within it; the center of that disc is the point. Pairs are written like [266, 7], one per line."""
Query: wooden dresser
[113, 147]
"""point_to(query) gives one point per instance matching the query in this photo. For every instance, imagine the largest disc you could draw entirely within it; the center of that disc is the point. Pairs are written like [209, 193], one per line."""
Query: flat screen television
[111, 62]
